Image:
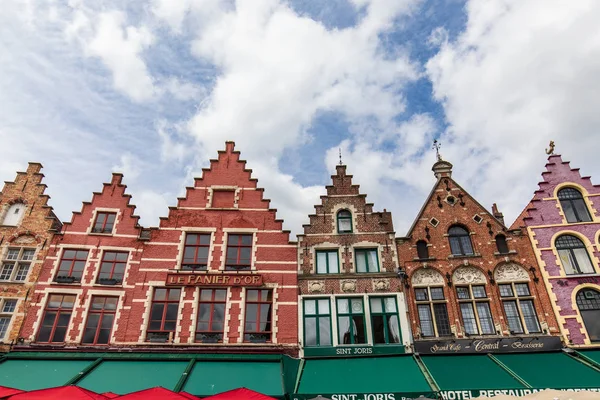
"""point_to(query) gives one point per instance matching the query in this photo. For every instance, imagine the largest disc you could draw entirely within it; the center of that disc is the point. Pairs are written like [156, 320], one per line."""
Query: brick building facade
[27, 224]
[218, 274]
[470, 277]
[563, 222]
[351, 296]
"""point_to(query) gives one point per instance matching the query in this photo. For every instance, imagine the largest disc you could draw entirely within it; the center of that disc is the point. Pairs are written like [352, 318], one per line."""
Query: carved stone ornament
[24, 239]
[316, 286]
[427, 277]
[510, 273]
[381, 284]
[348, 285]
[468, 275]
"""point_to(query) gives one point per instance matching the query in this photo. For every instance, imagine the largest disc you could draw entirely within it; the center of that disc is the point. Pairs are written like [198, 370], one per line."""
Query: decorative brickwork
[566, 206]
[27, 224]
[453, 265]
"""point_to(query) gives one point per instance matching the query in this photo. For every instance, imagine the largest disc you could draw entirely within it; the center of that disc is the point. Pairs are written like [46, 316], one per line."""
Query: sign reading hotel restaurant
[214, 279]
[481, 346]
[472, 394]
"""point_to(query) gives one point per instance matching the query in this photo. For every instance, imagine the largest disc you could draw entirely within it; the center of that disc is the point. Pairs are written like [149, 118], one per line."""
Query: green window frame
[344, 221]
[351, 320]
[317, 321]
[325, 260]
[385, 322]
[367, 260]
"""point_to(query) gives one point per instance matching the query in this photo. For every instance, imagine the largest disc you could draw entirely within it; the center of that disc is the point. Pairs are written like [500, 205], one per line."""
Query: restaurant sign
[471, 394]
[214, 280]
[482, 346]
[366, 396]
[352, 351]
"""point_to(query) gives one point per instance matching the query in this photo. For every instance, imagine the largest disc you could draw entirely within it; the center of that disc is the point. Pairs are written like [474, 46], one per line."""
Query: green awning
[129, 376]
[212, 377]
[594, 355]
[469, 372]
[551, 370]
[364, 375]
[39, 374]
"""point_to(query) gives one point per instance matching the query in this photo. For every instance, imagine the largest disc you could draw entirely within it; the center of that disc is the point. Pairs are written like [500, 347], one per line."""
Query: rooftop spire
[341, 163]
[441, 168]
[436, 146]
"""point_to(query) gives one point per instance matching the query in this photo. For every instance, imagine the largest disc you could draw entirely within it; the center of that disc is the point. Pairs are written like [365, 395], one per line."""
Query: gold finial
[436, 146]
[551, 149]
[341, 163]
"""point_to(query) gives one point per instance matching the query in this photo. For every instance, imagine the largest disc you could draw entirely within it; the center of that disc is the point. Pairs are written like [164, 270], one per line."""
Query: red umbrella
[158, 393]
[59, 393]
[110, 395]
[6, 391]
[189, 395]
[240, 394]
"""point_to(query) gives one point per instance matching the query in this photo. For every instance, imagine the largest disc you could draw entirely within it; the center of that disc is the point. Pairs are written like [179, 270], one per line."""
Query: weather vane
[551, 149]
[341, 163]
[436, 146]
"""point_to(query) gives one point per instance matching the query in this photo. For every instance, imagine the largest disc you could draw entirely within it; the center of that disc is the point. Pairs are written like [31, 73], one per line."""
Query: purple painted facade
[546, 220]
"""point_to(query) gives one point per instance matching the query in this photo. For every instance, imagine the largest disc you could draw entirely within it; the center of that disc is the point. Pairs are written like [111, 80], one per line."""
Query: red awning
[240, 394]
[158, 393]
[6, 391]
[110, 395]
[59, 393]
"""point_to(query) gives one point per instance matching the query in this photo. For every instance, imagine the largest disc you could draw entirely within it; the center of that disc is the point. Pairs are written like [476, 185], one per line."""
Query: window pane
[505, 290]
[310, 307]
[345, 224]
[455, 246]
[437, 293]
[591, 319]
[468, 315]
[323, 306]
[88, 335]
[220, 294]
[378, 328]
[172, 312]
[441, 319]
[344, 330]
[569, 210]
[466, 245]
[28, 254]
[479, 292]
[245, 255]
[485, 318]
[376, 305]
[529, 316]
[390, 304]
[425, 320]
[581, 210]
[463, 292]
[9, 306]
[174, 294]
[567, 261]
[343, 306]
[361, 262]
[358, 328]
[321, 262]
[422, 250]
[333, 262]
[372, 261]
[310, 331]
[583, 260]
[252, 295]
[357, 306]
[421, 294]
[59, 334]
[103, 336]
[246, 240]
[68, 302]
[13, 254]
[325, 331]
[522, 289]
[512, 316]
[393, 329]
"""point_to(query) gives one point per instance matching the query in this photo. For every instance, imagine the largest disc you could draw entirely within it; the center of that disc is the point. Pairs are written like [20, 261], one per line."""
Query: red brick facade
[27, 226]
[477, 264]
[218, 274]
[347, 252]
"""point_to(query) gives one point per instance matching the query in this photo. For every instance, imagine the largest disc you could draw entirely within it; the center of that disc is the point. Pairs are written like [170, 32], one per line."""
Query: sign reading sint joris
[213, 280]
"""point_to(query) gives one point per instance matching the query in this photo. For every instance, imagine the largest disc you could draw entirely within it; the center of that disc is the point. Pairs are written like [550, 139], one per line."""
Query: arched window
[14, 214]
[501, 244]
[573, 255]
[573, 205]
[431, 303]
[517, 300]
[473, 301]
[344, 221]
[460, 241]
[588, 302]
[422, 250]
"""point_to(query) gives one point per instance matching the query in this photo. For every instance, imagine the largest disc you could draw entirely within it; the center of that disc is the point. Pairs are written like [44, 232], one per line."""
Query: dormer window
[14, 214]
[573, 205]
[105, 221]
[344, 221]
[422, 250]
[501, 244]
[460, 241]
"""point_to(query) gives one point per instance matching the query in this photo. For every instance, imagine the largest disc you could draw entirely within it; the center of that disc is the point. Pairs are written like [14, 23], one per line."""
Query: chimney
[497, 214]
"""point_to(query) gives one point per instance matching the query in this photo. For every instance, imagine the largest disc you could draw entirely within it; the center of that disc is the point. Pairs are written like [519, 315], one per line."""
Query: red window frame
[76, 257]
[214, 300]
[235, 241]
[252, 326]
[196, 246]
[113, 263]
[105, 222]
[60, 310]
[102, 312]
[165, 304]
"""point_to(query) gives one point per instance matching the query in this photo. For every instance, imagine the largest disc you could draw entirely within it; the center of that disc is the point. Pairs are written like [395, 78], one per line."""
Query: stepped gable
[342, 193]
[226, 186]
[557, 172]
[112, 198]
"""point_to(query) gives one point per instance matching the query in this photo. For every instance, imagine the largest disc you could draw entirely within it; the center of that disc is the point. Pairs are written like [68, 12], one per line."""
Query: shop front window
[317, 322]
[351, 321]
[384, 320]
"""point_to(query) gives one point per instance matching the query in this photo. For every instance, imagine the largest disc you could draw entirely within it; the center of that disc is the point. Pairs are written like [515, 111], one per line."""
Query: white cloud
[522, 73]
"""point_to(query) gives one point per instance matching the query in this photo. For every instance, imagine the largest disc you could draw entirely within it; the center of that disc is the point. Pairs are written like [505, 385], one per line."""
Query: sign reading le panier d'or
[214, 279]
[506, 345]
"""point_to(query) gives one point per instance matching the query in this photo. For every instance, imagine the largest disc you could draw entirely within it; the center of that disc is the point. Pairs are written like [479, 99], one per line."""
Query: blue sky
[153, 89]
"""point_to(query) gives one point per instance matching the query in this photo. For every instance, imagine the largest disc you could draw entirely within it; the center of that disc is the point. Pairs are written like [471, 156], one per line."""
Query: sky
[154, 89]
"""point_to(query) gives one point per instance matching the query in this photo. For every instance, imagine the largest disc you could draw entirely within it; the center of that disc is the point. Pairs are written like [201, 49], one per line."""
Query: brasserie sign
[482, 346]
[214, 280]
